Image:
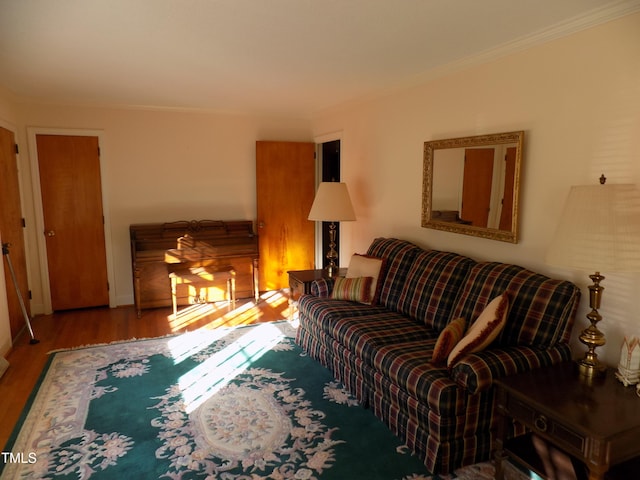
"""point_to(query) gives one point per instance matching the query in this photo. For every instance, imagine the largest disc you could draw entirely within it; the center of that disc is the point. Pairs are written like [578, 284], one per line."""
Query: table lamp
[332, 204]
[599, 231]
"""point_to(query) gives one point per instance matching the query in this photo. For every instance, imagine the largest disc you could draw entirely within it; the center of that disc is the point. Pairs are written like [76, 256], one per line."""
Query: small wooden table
[596, 421]
[300, 280]
[300, 283]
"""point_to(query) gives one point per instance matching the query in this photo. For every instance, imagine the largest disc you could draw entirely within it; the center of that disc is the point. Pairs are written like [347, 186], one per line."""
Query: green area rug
[240, 403]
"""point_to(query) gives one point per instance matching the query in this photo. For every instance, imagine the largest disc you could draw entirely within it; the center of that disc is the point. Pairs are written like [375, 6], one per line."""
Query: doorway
[72, 220]
[329, 172]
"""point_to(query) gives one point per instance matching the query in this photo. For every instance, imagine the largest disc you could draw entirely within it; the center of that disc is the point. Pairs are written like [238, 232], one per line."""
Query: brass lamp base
[331, 270]
[332, 254]
[590, 366]
[590, 370]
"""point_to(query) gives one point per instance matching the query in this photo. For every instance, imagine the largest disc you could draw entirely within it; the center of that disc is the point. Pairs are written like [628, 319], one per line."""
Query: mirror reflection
[471, 185]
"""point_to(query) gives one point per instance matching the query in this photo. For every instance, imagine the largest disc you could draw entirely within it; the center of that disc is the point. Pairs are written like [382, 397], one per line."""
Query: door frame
[39, 212]
[319, 140]
[27, 228]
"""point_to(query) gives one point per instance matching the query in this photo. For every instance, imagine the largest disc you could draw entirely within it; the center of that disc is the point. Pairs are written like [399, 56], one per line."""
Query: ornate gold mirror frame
[471, 185]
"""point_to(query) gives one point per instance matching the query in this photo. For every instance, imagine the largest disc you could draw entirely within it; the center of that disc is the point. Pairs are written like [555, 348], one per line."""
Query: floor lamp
[332, 204]
[599, 231]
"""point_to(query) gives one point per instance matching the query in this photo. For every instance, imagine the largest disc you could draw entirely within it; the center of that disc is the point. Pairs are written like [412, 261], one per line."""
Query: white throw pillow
[365, 266]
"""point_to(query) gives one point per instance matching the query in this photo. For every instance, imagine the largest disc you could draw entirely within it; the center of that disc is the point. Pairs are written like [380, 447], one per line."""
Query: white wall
[160, 166]
[578, 101]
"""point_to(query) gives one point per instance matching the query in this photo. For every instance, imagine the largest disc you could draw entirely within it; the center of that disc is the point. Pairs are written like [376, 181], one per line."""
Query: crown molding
[565, 28]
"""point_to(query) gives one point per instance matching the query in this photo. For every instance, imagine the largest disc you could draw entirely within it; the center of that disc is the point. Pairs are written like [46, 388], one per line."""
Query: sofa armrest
[477, 371]
[322, 287]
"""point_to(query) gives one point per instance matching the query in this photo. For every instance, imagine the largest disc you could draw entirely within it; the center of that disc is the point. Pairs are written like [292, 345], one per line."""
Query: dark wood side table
[596, 421]
[300, 283]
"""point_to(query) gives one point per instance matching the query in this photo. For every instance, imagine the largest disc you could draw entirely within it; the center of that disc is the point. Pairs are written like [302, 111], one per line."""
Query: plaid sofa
[382, 352]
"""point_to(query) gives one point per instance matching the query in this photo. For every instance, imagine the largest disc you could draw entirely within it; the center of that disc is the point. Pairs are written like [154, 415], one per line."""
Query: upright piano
[232, 243]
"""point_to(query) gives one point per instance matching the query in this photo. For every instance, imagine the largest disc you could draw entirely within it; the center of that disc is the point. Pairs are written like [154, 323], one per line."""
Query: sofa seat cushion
[362, 328]
[326, 311]
[394, 346]
[408, 366]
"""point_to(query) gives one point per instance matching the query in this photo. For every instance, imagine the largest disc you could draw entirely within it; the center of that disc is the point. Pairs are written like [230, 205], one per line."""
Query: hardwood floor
[103, 325]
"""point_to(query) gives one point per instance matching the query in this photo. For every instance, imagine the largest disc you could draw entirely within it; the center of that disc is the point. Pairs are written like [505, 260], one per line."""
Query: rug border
[26, 410]
[169, 335]
[115, 342]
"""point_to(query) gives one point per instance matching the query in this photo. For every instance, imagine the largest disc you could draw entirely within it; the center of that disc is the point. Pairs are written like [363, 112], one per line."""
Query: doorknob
[261, 225]
[50, 233]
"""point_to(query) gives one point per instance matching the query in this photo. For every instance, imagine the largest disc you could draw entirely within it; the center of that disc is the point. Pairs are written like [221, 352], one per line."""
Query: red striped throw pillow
[356, 289]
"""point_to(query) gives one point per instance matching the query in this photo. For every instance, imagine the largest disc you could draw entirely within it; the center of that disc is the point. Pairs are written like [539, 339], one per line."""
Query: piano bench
[203, 277]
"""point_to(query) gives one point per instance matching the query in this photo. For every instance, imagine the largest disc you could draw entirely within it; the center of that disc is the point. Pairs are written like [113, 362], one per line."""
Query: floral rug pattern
[262, 426]
[232, 404]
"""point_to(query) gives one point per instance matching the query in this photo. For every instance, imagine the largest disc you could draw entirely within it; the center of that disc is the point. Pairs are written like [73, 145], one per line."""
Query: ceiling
[286, 57]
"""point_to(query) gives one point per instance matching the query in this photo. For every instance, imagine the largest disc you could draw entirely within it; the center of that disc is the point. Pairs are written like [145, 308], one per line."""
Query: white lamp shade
[332, 203]
[599, 230]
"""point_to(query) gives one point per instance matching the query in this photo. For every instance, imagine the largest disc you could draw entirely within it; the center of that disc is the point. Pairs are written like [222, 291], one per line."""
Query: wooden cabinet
[233, 242]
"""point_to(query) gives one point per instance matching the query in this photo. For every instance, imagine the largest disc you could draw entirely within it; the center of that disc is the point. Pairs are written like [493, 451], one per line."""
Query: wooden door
[476, 186]
[506, 214]
[11, 230]
[73, 221]
[285, 184]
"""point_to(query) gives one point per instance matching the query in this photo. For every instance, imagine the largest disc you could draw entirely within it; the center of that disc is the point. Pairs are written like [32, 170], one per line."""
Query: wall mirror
[470, 185]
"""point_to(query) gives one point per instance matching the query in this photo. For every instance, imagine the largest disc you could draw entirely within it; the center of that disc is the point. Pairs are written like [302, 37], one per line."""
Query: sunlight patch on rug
[219, 368]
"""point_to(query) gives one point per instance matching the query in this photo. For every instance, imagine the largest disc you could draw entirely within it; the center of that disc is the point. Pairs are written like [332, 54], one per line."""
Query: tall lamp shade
[599, 230]
[332, 204]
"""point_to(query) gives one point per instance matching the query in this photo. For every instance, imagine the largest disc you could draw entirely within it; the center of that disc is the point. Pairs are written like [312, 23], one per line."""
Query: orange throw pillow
[449, 338]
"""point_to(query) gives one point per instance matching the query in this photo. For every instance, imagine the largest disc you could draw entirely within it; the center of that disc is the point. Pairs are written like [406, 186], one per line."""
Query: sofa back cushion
[430, 288]
[398, 256]
[542, 309]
